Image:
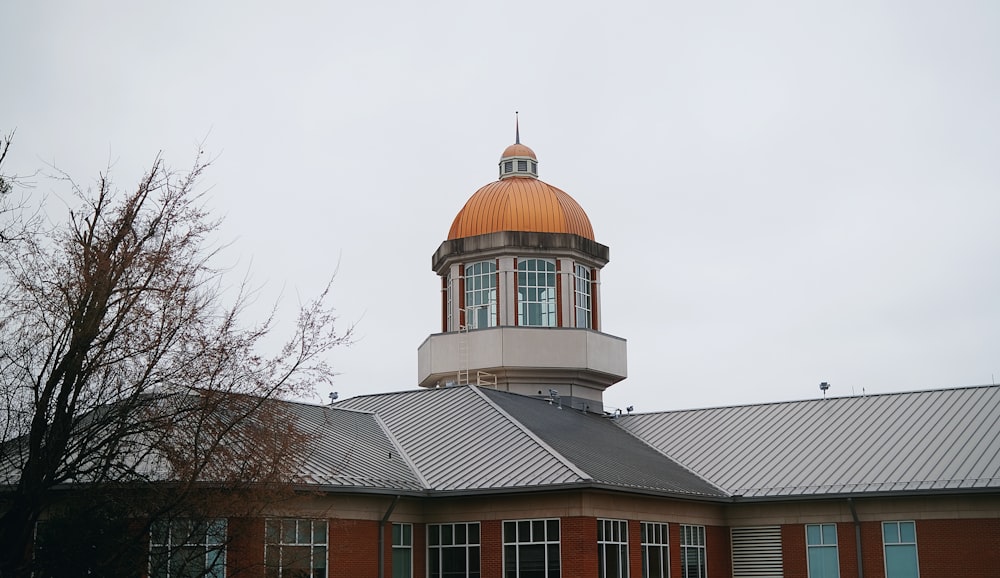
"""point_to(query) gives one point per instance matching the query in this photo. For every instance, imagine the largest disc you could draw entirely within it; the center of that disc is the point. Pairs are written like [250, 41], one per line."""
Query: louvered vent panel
[757, 552]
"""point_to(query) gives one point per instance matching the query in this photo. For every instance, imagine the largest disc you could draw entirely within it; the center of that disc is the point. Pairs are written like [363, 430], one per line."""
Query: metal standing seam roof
[350, 449]
[940, 440]
[458, 440]
[520, 204]
[608, 454]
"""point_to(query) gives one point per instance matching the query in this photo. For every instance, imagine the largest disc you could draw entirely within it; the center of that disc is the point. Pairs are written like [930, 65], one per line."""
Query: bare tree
[122, 370]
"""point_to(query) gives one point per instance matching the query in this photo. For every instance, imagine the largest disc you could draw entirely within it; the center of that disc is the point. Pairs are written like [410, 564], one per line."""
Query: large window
[821, 550]
[453, 550]
[693, 563]
[900, 541]
[481, 294]
[531, 548]
[536, 293]
[655, 550]
[612, 548]
[184, 547]
[295, 548]
[582, 297]
[402, 550]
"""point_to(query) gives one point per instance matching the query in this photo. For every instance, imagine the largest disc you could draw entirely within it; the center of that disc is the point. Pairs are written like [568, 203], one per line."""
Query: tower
[521, 309]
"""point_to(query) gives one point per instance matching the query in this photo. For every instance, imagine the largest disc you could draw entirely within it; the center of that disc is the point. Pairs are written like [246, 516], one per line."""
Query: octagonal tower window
[536, 293]
[481, 294]
[582, 296]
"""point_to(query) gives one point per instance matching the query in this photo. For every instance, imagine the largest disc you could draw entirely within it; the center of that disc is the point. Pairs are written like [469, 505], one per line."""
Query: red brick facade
[945, 548]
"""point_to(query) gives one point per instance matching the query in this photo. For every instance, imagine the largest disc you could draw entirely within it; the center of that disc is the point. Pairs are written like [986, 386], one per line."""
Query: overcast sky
[793, 192]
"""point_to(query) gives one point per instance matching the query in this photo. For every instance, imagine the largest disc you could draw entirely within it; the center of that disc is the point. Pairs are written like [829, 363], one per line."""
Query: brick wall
[967, 548]
[718, 553]
[419, 551]
[354, 548]
[245, 551]
[491, 549]
[945, 549]
[578, 542]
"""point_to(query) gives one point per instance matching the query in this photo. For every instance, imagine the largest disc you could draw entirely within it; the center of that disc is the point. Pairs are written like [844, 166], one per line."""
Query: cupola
[520, 278]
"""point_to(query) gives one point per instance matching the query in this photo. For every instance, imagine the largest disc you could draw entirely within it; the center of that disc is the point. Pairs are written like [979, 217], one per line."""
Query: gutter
[381, 537]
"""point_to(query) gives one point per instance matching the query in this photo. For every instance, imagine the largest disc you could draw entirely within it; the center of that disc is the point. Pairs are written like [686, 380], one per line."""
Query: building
[505, 464]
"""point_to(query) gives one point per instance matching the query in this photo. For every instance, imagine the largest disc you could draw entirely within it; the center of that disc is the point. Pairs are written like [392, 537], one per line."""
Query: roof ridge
[681, 464]
[399, 448]
[534, 437]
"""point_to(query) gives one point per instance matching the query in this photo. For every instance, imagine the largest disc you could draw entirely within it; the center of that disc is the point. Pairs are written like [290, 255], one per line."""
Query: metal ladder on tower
[463, 355]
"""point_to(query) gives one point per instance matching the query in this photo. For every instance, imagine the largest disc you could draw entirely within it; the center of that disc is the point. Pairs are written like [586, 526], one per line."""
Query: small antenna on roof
[333, 396]
[823, 387]
[517, 129]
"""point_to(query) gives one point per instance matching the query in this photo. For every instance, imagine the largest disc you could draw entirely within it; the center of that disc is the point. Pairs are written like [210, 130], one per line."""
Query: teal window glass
[821, 551]
[900, 542]
[582, 296]
[402, 550]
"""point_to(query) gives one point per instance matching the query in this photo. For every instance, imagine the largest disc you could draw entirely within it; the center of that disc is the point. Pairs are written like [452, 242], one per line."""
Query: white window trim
[663, 546]
[533, 542]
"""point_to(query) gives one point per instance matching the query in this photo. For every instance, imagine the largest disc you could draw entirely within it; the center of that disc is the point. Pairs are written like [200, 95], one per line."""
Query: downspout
[857, 536]
[381, 537]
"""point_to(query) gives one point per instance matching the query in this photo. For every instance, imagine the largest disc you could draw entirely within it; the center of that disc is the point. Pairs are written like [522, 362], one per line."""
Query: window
[612, 548]
[536, 293]
[522, 166]
[295, 548]
[531, 549]
[187, 547]
[534, 167]
[402, 550]
[693, 552]
[655, 551]
[450, 326]
[821, 550]
[900, 541]
[481, 295]
[453, 550]
[582, 293]
[508, 166]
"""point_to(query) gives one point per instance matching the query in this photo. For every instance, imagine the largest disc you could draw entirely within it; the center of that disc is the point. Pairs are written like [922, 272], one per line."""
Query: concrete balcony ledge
[524, 354]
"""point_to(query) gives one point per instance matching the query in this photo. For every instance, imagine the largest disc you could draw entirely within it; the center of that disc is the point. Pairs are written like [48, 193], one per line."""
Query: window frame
[402, 543]
[886, 545]
[612, 537]
[700, 548]
[655, 537]
[551, 566]
[823, 545]
[582, 296]
[480, 293]
[282, 545]
[214, 558]
[436, 549]
[535, 298]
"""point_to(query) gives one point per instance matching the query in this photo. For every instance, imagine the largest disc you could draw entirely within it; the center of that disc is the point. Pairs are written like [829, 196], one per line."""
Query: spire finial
[517, 130]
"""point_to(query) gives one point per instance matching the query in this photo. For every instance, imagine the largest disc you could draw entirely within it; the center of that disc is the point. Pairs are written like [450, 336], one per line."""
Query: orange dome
[520, 204]
[518, 150]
